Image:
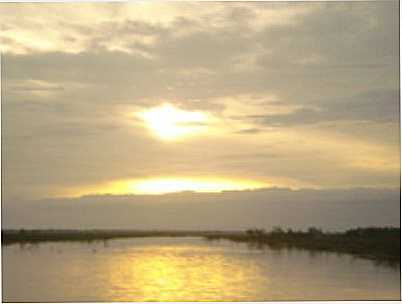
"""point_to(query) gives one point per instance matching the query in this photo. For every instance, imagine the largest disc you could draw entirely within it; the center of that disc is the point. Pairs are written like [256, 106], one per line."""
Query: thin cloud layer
[330, 209]
[306, 94]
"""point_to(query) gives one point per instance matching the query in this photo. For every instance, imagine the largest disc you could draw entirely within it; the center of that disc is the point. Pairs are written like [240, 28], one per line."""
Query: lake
[187, 269]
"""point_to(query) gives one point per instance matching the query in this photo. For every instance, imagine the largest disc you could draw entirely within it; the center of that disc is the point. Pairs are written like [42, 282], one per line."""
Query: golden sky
[150, 98]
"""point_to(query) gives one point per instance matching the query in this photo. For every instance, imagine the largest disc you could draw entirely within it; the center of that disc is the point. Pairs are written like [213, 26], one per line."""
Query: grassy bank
[36, 236]
[375, 243]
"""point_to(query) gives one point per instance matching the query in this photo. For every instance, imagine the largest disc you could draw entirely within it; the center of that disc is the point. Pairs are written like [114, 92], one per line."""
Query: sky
[131, 101]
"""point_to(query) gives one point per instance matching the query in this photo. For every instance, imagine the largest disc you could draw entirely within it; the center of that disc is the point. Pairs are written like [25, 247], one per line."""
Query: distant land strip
[375, 243]
[11, 236]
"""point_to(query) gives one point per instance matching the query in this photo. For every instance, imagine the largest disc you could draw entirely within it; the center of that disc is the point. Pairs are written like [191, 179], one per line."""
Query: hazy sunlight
[167, 185]
[170, 123]
[163, 185]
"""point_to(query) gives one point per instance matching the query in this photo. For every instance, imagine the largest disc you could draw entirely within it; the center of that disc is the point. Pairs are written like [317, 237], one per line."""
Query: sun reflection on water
[187, 269]
[177, 274]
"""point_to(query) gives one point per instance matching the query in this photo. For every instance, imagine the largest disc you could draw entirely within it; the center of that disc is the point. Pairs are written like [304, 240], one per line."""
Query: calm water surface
[187, 269]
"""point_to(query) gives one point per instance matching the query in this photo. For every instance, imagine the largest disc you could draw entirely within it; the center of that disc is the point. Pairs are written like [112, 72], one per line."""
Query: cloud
[249, 131]
[314, 83]
[330, 209]
[381, 106]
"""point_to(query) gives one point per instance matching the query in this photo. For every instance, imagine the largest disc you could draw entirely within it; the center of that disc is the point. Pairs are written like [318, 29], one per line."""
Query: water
[187, 269]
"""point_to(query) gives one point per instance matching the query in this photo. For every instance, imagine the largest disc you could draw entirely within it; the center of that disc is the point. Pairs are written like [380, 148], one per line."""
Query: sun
[171, 123]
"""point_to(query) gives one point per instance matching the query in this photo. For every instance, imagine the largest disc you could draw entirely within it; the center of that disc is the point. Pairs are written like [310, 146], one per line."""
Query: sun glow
[171, 123]
[168, 185]
[164, 185]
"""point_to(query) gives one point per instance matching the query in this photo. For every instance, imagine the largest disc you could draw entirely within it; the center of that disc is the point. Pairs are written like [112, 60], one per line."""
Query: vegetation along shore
[375, 243]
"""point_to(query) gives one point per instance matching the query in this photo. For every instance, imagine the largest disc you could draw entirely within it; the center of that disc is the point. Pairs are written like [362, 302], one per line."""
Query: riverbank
[374, 243]
[10, 236]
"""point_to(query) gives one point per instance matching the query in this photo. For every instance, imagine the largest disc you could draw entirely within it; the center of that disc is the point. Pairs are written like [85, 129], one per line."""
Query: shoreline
[382, 244]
